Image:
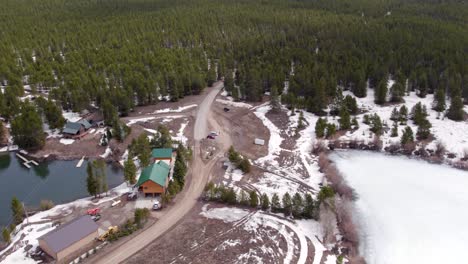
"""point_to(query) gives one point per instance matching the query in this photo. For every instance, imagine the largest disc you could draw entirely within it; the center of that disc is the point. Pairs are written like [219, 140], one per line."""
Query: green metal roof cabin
[156, 172]
[161, 153]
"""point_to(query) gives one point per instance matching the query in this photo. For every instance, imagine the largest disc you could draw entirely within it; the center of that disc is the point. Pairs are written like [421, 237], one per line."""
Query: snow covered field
[409, 211]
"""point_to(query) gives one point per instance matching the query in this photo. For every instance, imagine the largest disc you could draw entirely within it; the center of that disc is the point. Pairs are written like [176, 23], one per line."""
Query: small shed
[164, 154]
[69, 238]
[259, 141]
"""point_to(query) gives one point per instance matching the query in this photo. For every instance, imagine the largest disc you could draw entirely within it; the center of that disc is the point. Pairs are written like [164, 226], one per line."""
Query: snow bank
[180, 134]
[275, 138]
[410, 211]
[234, 104]
[66, 141]
[107, 153]
[178, 110]
[143, 119]
[71, 116]
[226, 214]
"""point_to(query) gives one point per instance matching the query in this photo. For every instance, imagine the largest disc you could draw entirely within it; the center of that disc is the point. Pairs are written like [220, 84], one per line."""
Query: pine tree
[407, 136]
[331, 130]
[394, 129]
[309, 207]
[300, 122]
[26, 128]
[376, 125]
[275, 102]
[130, 170]
[297, 206]
[91, 182]
[180, 169]
[6, 235]
[345, 119]
[229, 82]
[455, 111]
[395, 115]
[403, 115]
[419, 114]
[397, 92]
[351, 105]
[381, 92]
[253, 199]
[320, 127]
[265, 202]
[287, 204]
[17, 210]
[439, 100]
[244, 198]
[355, 123]
[424, 130]
[275, 203]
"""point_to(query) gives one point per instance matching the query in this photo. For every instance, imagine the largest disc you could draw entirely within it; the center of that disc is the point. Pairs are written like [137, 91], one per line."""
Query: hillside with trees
[125, 53]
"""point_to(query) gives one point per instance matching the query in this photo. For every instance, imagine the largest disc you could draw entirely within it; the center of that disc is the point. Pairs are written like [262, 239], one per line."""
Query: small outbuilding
[162, 154]
[76, 130]
[154, 179]
[63, 241]
[259, 141]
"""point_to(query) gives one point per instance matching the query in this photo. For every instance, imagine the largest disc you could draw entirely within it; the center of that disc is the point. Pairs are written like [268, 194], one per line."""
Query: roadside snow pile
[180, 134]
[234, 104]
[71, 116]
[107, 153]
[66, 141]
[137, 120]
[410, 211]
[225, 214]
[167, 119]
[275, 138]
[178, 110]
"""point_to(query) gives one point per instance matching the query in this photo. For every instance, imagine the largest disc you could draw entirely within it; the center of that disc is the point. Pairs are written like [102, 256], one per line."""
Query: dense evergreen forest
[124, 53]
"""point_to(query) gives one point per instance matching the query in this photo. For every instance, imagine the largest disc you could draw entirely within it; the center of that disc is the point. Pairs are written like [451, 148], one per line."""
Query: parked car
[156, 205]
[132, 196]
[226, 109]
[96, 217]
[214, 133]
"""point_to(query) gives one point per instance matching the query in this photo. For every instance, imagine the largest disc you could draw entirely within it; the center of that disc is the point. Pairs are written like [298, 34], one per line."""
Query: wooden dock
[80, 162]
[27, 162]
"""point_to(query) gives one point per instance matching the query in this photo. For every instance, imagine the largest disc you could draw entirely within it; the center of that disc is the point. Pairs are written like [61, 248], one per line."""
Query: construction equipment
[110, 230]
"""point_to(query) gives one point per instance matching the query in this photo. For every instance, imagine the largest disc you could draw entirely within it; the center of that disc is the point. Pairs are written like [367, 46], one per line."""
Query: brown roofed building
[69, 238]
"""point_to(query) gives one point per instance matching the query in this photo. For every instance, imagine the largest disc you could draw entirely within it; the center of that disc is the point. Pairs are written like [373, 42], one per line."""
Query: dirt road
[200, 173]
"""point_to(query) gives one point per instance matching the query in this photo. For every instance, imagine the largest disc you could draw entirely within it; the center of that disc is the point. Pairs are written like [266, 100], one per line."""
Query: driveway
[200, 174]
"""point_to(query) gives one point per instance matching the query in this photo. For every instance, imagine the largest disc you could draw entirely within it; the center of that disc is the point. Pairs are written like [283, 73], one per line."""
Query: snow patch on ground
[66, 141]
[234, 104]
[275, 138]
[225, 214]
[137, 120]
[71, 116]
[177, 110]
[107, 153]
[180, 134]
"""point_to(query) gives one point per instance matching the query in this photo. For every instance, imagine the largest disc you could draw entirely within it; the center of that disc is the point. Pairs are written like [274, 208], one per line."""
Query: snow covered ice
[409, 211]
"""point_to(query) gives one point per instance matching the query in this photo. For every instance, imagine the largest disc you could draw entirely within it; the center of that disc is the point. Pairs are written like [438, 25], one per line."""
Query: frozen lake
[409, 211]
